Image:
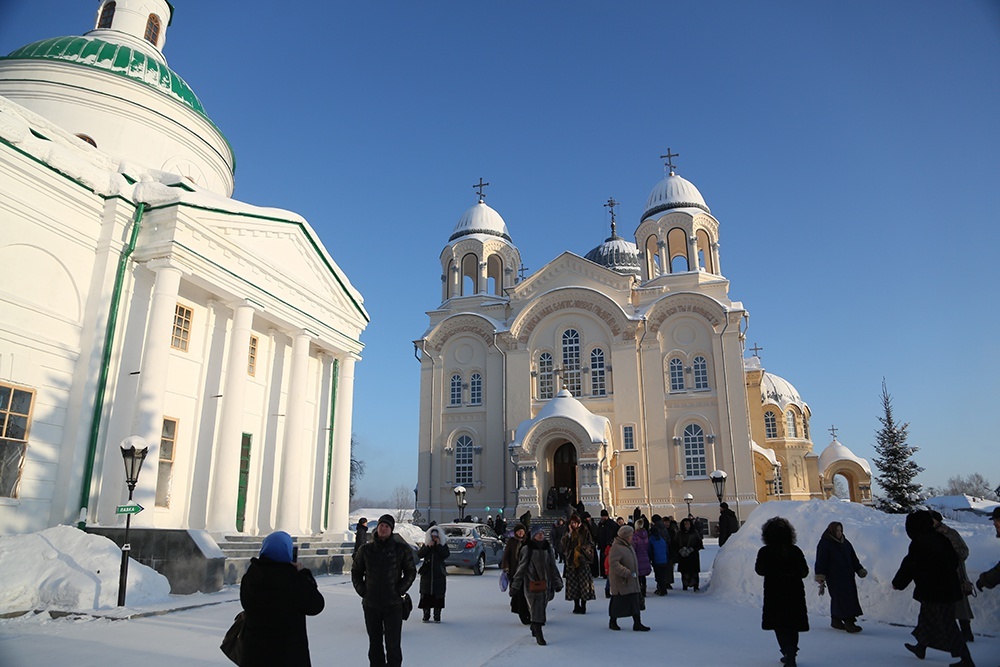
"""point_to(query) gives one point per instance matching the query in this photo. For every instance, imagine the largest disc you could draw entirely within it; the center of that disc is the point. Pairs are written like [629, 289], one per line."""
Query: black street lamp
[718, 478]
[134, 450]
[460, 500]
[688, 498]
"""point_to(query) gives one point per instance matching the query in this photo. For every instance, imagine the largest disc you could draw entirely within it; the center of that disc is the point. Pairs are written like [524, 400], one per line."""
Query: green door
[241, 498]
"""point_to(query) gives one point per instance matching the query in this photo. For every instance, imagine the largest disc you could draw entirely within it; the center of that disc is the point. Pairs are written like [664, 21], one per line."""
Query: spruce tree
[895, 463]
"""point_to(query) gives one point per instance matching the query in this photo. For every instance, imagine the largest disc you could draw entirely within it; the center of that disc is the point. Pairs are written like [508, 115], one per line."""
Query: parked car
[472, 545]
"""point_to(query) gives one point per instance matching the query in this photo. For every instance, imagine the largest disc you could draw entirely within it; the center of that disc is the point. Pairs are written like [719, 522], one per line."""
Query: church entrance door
[564, 476]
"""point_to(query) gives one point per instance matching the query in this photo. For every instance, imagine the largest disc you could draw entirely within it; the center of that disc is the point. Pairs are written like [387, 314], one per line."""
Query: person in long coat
[963, 610]
[836, 565]
[783, 566]
[537, 565]
[685, 546]
[623, 577]
[659, 554]
[932, 565]
[277, 595]
[728, 523]
[508, 563]
[433, 573]
[578, 549]
[640, 544]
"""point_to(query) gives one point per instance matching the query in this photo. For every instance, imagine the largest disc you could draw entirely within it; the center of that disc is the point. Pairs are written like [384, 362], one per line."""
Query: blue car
[472, 545]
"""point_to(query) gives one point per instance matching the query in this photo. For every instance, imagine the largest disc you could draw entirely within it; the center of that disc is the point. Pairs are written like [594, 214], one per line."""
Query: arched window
[571, 361]
[152, 29]
[790, 425]
[598, 380]
[456, 390]
[677, 251]
[107, 15]
[463, 460]
[494, 275]
[676, 374]
[700, 373]
[770, 425]
[652, 255]
[694, 451]
[476, 389]
[705, 258]
[470, 275]
[545, 379]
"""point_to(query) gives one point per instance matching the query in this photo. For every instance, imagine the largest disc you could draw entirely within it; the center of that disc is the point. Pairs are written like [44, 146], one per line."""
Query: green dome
[115, 58]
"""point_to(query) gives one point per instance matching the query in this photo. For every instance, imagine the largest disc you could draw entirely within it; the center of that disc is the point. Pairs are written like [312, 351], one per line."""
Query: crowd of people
[277, 593]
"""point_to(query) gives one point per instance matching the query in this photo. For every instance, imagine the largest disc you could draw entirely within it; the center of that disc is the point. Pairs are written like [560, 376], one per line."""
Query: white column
[483, 279]
[226, 463]
[340, 479]
[289, 496]
[715, 254]
[693, 253]
[147, 420]
[661, 249]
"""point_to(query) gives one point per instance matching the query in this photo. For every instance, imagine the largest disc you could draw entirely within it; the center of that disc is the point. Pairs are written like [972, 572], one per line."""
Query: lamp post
[688, 498]
[460, 501]
[718, 478]
[134, 449]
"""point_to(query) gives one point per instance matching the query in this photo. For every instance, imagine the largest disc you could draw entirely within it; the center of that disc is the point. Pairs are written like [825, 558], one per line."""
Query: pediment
[570, 270]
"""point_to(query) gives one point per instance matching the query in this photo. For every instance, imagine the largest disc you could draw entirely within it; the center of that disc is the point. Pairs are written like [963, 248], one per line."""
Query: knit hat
[387, 518]
[536, 531]
[625, 531]
[518, 526]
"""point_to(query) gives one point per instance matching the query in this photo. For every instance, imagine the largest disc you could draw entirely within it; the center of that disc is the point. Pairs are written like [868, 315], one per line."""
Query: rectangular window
[463, 460]
[476, 389]
[628, 437]
[252, 357]
[165, 474]
[630, 477]
[456, 390]
[15, 417]
[182, 328]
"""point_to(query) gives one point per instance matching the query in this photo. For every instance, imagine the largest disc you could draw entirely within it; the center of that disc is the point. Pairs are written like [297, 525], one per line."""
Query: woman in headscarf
[932, 565]
[836, 565]
[509, 563]
[537, 580]
[686, 545]
[433, 572]
[623, 576]
[277, 595]
[783, 567]
[578, 548]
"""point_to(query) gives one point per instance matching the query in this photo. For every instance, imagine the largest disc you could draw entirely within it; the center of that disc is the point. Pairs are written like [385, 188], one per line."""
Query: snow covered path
[477, 629]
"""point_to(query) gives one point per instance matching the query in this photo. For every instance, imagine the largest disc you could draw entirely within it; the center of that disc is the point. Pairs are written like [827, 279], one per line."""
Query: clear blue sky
[849, 151]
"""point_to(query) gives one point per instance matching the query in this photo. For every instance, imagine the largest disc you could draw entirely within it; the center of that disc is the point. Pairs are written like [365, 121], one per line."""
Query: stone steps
[320, 556]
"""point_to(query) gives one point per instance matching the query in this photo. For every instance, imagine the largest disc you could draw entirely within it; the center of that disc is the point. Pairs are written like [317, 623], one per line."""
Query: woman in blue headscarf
[277, 595]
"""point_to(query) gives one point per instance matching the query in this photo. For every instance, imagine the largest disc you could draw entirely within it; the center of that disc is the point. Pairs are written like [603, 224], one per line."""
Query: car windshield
[456, 531]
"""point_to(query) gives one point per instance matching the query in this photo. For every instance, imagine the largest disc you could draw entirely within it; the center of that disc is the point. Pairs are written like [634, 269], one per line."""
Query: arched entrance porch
[563, 490]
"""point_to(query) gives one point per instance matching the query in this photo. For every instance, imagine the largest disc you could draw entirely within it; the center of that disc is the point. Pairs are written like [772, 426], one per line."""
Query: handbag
[504, 580]
[537, 586]
[232, 643]
[407, 606]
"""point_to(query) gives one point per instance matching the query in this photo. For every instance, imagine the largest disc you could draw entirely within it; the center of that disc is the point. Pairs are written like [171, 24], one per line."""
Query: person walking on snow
[578, 549]
[537, 580]
[623, 576]
[836, 565]
[783, 566]
[433, 573]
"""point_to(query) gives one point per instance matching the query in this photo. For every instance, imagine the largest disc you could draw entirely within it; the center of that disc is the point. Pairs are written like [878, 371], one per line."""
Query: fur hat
[387, 518]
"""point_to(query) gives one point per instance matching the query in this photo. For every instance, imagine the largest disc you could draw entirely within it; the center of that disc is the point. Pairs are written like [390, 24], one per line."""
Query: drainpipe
[102, 380]
[335, 383]
[503, 405]
[746, 403]
[642, 412]
[430, 425]
[729, 412]
[600, 472]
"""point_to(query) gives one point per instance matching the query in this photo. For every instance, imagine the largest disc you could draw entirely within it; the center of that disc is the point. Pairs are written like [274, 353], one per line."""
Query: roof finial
[833, 431]
[479, 188]
[756, 349]
[669, 157]
[611, 206]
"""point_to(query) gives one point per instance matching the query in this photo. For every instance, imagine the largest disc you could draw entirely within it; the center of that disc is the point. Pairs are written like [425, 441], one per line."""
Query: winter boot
[918, 650]
[576, 607]
[583, 606]
[437, 614]
[427, 616]
[613, 624]
[637, 625]
[837, 623]
[534, 629]
[539, 637]
[852, 627]
[967, 630]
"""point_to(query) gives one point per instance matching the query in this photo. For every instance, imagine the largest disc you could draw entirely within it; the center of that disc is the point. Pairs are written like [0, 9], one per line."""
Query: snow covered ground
[719, 626]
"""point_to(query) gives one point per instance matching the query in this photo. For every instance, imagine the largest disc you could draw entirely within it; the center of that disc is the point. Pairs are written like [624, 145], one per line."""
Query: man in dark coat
[383, 571]
[277, 595]
[783, 566]
[728, 523]
[607, 529]
[558, 530]
[361, 534]
[991, 578]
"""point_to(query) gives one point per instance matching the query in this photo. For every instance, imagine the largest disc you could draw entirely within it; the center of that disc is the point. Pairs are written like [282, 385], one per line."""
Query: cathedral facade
[617, 379]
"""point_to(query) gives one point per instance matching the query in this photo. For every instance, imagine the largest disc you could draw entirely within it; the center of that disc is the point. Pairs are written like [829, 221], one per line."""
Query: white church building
[141, 299]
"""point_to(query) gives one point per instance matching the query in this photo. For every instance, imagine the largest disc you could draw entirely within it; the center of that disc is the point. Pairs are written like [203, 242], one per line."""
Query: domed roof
[617, 254]
[673, 192]
[115, 58]
[836, 451]
[778, 390]
[565, 405]
[480, 219]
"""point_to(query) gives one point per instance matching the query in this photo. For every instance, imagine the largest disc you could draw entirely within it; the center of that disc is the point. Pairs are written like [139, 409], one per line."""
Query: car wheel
[480, 565]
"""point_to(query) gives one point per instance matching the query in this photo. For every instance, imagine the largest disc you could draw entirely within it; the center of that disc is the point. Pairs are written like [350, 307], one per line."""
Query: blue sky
[849, 151]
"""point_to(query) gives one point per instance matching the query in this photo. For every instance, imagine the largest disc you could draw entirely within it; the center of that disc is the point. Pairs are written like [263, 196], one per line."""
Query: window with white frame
[15, 418]
[770, 425]
[779, 484]
[598, 373]
[252, 356]
[676, 374]
[463, 460]
[790, 425]
[571, 361]
[456, 390]
[630, 476]
[694, 451]
[545, 376]
[628, 437]
[180, 338]
[700, 373]
[476, 389]
[165, 471]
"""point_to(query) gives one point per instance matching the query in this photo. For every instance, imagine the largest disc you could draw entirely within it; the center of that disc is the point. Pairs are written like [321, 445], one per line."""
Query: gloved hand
[979, 583]
[822, 587]
[862, 573]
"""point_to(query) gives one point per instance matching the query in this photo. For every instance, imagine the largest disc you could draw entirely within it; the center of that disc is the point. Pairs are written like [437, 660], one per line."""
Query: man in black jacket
[991, 578]
[728, 523]
[382, 572]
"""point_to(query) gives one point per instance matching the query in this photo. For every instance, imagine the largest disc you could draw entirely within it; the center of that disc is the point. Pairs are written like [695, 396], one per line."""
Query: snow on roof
[963, 502]
[565, 405]
[778, 390]
[767, 453]
[674, 192]
[836, 451]
[480, 219]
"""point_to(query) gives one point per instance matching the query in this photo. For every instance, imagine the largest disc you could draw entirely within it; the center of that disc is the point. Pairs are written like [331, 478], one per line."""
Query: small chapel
[617, 379]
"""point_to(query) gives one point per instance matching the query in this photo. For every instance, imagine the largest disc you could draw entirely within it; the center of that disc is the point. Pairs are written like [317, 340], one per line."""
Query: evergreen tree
[895, 463]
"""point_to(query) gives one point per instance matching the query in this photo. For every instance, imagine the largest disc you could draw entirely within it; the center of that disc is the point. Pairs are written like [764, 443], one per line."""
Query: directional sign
[131, 508]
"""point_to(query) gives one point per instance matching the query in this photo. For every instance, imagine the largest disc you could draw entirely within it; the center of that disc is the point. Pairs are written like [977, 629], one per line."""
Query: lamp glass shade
[134, 450]
[719, 482]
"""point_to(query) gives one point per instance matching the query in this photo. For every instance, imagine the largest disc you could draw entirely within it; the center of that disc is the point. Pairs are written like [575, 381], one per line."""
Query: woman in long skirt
[623, 575]
[537, 580]
[578, 549]
[836, 566]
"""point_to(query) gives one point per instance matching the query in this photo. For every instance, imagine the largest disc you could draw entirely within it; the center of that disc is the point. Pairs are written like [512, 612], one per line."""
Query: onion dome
[480, 219]
[673, 192]
[774, 389]
[617, 254]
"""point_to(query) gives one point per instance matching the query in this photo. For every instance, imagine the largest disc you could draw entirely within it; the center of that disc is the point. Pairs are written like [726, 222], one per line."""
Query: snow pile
[409, 532]
[66, 568]
[880, 541]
